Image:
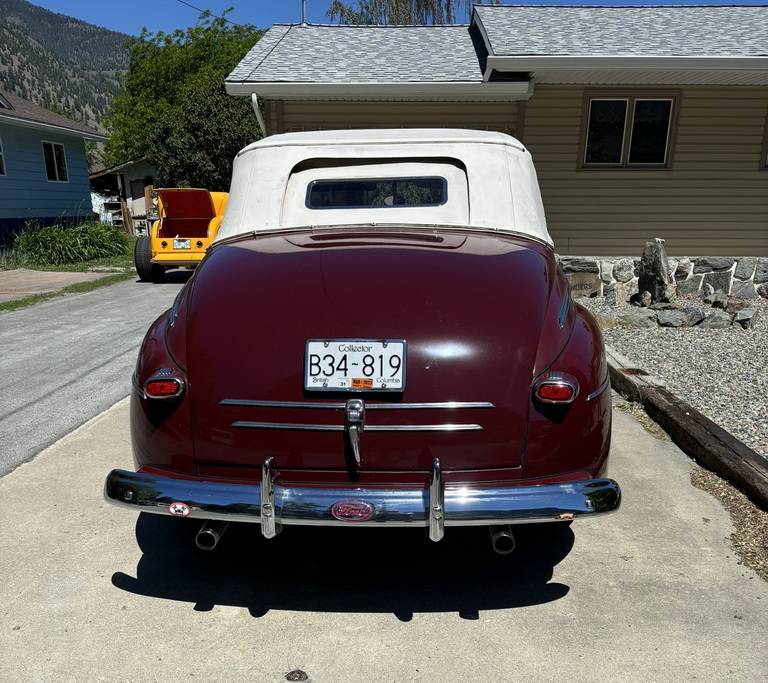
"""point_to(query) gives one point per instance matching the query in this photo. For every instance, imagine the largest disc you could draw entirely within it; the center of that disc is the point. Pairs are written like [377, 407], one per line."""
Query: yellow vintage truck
[188, 222]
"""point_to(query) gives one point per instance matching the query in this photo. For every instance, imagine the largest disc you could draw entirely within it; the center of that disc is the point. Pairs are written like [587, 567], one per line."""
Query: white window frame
[64, 154]
[631, 98]
[3, 164]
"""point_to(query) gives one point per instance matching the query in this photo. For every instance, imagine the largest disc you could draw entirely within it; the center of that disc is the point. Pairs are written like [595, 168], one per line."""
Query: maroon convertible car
[380, 335]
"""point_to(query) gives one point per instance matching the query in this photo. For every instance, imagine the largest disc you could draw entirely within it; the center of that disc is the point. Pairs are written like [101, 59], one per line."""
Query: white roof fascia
[475, 91]
[622, 62]
[50, 127]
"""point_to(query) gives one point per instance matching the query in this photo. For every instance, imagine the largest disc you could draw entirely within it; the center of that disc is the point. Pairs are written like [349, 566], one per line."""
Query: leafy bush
[61, 244]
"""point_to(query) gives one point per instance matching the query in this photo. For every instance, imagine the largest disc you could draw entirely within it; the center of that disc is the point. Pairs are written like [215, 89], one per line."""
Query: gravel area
[722, 373]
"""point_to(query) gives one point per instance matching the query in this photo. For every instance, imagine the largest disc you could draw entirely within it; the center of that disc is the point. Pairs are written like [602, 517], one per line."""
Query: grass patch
[77, 288]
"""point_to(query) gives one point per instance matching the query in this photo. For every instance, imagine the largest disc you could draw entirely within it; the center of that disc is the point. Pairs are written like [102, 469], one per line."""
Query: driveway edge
[695, 434]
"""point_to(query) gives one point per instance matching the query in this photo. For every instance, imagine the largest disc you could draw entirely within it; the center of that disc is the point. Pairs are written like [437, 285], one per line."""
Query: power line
[208, 13]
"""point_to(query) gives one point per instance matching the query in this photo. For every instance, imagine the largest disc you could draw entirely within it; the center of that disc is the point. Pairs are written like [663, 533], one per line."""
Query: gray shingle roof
[363, 54]
[626, 31]
[24, 110]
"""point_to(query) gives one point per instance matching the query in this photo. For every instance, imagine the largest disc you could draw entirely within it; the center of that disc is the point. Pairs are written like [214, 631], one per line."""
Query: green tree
[174, 110]
[403, 11]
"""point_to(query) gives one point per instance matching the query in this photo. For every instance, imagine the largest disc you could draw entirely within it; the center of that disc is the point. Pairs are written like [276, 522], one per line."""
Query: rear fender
[160, 429]
[576, 436]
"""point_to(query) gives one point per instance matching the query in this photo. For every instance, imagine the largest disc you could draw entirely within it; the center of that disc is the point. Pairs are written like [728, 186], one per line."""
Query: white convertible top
[491, 181]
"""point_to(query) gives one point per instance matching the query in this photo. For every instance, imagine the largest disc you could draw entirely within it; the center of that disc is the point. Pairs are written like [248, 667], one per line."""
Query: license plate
[354, 365]
[182, 244]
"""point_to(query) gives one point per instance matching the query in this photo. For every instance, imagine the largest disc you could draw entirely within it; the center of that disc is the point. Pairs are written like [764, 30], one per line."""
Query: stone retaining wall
[616, 278]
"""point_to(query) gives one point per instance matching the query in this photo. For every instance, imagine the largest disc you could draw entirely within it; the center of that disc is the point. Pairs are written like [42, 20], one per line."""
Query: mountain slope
[58, 62]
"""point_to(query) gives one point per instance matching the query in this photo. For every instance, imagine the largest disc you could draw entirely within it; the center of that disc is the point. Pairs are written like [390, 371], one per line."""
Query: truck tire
[142, 259]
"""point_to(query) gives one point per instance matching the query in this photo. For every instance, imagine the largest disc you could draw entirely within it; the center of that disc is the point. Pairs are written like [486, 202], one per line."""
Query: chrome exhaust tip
[210, 534]
[502, 539]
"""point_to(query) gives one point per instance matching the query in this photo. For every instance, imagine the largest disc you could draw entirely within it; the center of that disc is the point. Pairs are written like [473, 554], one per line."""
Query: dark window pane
[605, 134]
[61, 162]
[50, 164]
[650, 130]
[375, 193]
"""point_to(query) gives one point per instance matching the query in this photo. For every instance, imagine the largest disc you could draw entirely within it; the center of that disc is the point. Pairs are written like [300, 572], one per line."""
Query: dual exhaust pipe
[211, 533]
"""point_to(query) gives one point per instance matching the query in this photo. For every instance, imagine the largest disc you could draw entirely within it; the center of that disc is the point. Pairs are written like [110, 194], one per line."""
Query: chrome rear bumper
[435, 507]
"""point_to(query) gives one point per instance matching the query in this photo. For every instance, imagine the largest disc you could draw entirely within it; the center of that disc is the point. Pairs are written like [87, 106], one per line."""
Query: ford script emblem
[352, 511]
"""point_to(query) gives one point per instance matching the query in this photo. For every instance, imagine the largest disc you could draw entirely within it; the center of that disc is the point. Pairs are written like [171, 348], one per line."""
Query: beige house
[643, 121]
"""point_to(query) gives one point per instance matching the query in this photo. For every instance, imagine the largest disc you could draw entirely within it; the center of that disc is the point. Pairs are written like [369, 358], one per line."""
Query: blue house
[43, 166]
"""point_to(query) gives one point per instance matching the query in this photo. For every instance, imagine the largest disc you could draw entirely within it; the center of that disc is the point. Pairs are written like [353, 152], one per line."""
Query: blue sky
[166, 15]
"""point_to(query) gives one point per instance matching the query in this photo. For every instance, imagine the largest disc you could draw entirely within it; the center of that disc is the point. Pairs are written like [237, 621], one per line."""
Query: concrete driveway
[651, 593]
[65, 360]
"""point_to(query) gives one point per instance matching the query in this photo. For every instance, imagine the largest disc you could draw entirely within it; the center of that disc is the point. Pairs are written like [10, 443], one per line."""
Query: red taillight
[556, 387]
[163, 387]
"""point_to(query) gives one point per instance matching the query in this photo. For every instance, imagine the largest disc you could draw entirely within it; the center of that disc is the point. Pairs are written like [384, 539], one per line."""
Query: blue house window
[55, 162]
[2, 158]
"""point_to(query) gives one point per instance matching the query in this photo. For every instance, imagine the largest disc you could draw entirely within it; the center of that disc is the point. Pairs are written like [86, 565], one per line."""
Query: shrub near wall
[59, 244]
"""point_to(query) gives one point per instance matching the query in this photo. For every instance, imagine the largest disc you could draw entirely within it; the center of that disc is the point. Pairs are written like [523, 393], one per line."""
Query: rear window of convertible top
[377, 193]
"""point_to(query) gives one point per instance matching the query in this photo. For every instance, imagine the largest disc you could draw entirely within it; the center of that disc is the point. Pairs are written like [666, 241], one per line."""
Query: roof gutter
[532, 63]
[479, 91]
[26, 123]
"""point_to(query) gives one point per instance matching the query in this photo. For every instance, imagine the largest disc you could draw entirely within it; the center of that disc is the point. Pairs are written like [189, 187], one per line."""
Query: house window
[628, 131]
[55, 162]
[2, 158]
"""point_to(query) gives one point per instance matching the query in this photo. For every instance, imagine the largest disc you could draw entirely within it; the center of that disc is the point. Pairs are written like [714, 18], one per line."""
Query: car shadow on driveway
[347, 570]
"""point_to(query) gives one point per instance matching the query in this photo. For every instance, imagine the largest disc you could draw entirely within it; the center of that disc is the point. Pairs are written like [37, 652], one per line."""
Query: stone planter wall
[616, 277]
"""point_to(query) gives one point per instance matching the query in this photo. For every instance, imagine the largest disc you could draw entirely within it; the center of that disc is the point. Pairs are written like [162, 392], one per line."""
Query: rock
[716, 320]
[605, 322]
[616, 295]
[684, 269]
[762, 290]
[637, 317]
[654, 273]
[641, 299]
[636, 266]
[761, 271]
[745, 268]
[665, 306]
[743, 290]
[734, 305]
[624, 270]
[706, 264]
[689, 286]
[745, 317]
[584, 284]
[606, 271]
[672, 266]
[719, 300]
[580, 265]
[686, 317]
[719, 280]
[631, 288]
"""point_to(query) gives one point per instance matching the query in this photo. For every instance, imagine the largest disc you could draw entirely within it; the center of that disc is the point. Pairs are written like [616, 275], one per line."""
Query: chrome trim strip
[464, 505]
[436, 503]
[564, 308]
[245, 424]
[424, 428]
[606, 383]
[446, 405]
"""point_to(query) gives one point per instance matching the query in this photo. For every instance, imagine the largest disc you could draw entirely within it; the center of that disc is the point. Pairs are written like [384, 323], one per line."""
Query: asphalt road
[65, 360]
[93, 592]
